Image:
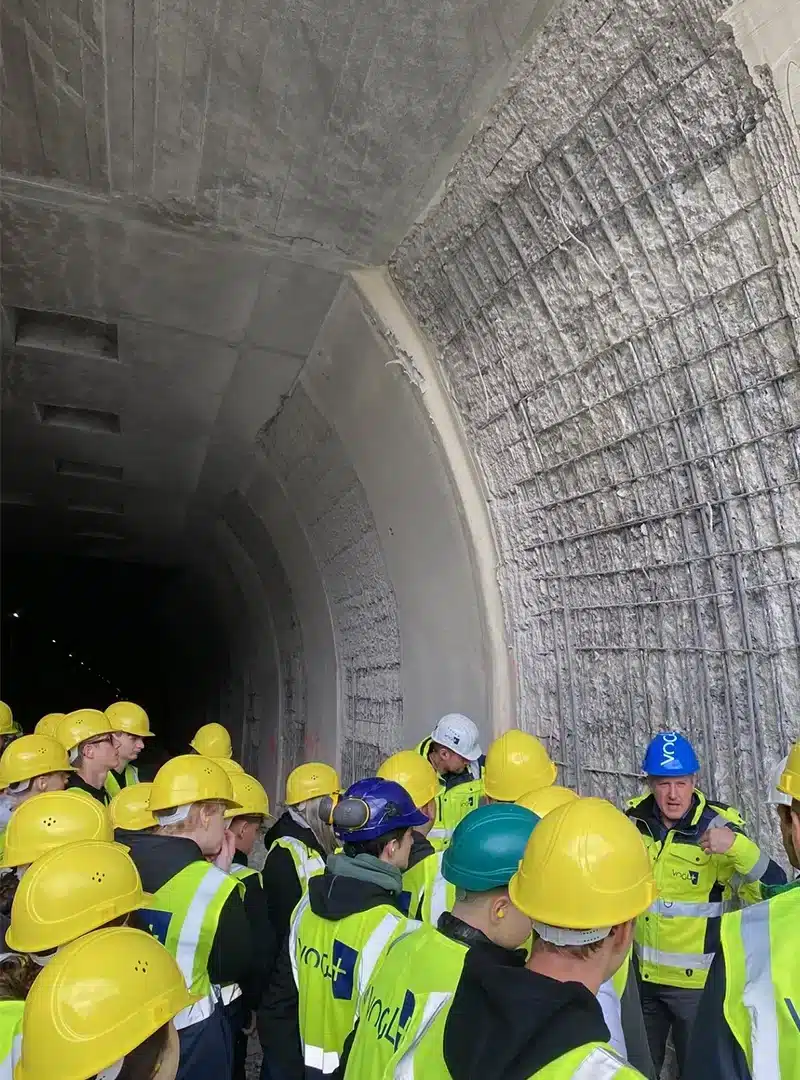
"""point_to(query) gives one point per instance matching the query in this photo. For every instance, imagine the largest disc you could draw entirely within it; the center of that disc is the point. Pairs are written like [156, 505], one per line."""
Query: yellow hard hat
[129, 717]
[32, 755]
[516, 762]
[585, 867]
[546, 799]
[97, 1000]
[130, 808]
[71, 891]
[212, 740]
[310, 780]
[413, 772]
[250, 796]
[7, 725]
[190, 778]
[76, 727]
[48, 724]
[789, 782]
[230, 766]
[51, 819]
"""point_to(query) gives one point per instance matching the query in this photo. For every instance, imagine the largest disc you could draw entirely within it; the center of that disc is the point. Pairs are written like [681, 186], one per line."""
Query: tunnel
[364, 362]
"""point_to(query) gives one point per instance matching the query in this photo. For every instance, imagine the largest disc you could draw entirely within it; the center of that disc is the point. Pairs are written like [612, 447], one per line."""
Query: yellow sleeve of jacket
[744, 857]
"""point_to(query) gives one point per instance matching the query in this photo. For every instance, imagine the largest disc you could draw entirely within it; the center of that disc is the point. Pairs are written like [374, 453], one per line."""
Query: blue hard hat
[372, 807]
[487, 846]
[670, 754]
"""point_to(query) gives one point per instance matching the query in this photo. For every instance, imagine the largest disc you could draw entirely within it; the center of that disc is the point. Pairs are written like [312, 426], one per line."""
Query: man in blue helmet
[703, 865]
[410, 992]
[350, 916]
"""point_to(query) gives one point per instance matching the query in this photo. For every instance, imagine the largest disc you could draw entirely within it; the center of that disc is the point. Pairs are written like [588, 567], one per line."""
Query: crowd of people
[457, 915]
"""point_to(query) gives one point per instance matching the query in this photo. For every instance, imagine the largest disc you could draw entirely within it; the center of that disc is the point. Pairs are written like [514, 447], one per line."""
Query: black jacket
[159, 858]
[100, 794]
[263, 934]
[714, 1053]
[280, 878]
[505, 1023]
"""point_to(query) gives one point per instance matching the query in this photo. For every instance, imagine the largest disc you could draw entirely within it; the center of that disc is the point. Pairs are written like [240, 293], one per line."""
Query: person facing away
[703, 862]
[132, 727]
[29, 766]
[516, 763]
[349, 917]
[412, 988]
[89, 739]
[748, 1021]
[429, 894]
[453, 749]
[197, 911]
[70, 1031]
[297, 846]
[583, 879]
[212, 740]
[245, 822]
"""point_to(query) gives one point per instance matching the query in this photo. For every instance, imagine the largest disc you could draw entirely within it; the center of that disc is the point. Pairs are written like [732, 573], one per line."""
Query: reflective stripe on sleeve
[324, 1061]
[694, 961]
[759, 992]
[758, 870]
[599, 1065]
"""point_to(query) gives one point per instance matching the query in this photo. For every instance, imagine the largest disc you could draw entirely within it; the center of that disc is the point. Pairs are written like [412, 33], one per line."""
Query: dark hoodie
[160, 858]
[263, 935]
[280, 878]
[421, 848]
[507, 1023]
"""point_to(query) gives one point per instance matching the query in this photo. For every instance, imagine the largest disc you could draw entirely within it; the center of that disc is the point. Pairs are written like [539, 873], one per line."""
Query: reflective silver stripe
[404, 1070]
[242, 871]
[695, 961]
[758, 870]
[440, 834]
[373, 948]
[298, 912]
[601, 1064]
[201, 1010]
[759, 993]
[719, 821]
[438, 892]
[189, 937]
[324, 1061]
[230, 993]
[309, 862]
[671, 909]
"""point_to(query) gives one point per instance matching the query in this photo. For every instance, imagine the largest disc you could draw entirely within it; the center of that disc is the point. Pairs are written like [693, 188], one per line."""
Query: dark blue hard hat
[372, 807]
[670, 754]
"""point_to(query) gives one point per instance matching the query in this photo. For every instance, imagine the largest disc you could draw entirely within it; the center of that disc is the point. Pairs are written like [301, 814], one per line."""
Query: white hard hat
[776, 797]
[459, 734]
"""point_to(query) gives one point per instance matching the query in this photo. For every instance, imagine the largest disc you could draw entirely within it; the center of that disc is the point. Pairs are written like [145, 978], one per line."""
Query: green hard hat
[487, 846]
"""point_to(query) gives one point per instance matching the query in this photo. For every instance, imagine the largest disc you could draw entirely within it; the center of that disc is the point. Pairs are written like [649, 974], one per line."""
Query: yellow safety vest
[430, 893]
[10, 1036]
[594, 1061]
[307, 862]
[413, 986]
[130, 775]
[332, 963]
[693, 887]
[184, 918]
[452, 804]
[762, 984]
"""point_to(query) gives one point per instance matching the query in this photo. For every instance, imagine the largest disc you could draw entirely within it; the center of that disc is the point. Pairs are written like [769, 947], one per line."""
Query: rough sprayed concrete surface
[307, 458]
[613, 303]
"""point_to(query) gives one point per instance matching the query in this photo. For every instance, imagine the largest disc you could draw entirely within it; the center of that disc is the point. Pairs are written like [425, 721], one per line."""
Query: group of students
[455, 915]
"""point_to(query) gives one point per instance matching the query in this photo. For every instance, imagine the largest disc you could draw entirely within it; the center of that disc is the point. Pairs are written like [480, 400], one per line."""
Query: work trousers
[668, 1008]
[206, 1049]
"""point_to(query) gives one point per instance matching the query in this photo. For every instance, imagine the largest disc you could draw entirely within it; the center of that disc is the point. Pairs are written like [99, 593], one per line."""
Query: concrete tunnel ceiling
[542, 466]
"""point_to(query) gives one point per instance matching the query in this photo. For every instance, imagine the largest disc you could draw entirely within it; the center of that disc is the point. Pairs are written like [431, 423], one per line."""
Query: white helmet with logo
[459, 734]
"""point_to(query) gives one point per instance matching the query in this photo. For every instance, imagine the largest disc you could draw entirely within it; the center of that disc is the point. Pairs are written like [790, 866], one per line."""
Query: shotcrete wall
[610, 282]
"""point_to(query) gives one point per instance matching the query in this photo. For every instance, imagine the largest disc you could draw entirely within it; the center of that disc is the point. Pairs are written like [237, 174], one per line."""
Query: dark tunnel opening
[82, 633]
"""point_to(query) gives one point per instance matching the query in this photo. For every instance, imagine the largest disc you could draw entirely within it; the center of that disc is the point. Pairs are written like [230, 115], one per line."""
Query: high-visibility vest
[413, 986]
[762, 984]
[594, 1061]
[231, 991]
[693, 888]
[130, 775]
[452, 804]
[332, 963]
[307, 862]
[184, 918]
[240, 871]
[10, 1036]
[430, 893]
